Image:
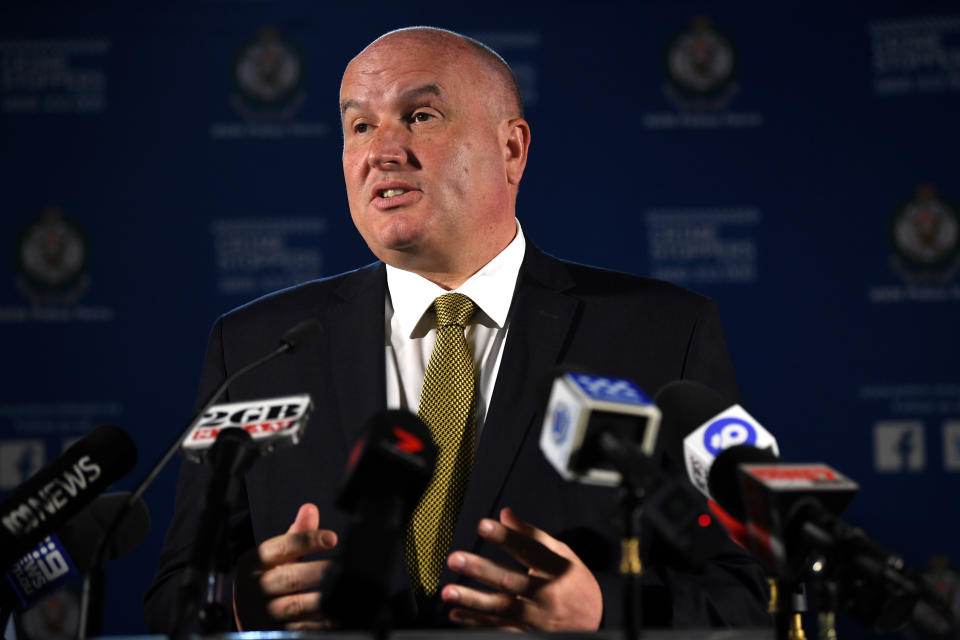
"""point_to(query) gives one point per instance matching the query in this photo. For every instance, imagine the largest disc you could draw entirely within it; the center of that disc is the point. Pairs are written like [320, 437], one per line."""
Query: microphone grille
[301, 335]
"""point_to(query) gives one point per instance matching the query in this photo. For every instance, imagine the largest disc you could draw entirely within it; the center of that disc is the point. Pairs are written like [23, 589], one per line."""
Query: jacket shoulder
[591, 283]
[307, 299]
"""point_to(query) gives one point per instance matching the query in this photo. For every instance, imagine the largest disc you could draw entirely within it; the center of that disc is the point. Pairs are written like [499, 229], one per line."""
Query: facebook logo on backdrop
[20, 459]
[951, 445]
[898, 445]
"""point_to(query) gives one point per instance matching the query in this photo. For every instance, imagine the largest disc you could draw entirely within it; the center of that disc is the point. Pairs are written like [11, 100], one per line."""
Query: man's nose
[388, 150]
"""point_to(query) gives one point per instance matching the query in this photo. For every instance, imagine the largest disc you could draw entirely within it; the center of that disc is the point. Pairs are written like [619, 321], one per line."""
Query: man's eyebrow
[427, 89]
[420, 91]
[350, 104]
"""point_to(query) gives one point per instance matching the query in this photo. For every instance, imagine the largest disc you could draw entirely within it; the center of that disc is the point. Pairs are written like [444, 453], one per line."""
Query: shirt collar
[491, 288]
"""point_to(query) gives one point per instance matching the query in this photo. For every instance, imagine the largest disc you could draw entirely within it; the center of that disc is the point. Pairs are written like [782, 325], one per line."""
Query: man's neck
[452, 276]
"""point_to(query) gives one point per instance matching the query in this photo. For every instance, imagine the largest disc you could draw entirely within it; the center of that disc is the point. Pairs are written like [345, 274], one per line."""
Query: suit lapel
[356, 342]
[541, 318]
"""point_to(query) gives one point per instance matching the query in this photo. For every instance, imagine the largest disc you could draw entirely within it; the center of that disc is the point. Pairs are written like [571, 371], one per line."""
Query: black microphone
[45, 502]
[791, 511]
[604, 430]
[294, 340]
[62, 556]
[699, 424]
[597, 429]
[230, 438]
[389, 470]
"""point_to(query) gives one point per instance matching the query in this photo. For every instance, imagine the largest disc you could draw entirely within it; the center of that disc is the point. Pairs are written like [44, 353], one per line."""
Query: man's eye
[421, 116]
[361, 127]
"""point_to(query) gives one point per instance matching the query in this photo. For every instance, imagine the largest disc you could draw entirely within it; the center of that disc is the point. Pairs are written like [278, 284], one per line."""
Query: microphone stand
[92, 597]
[231, 455]
[636, 475]
[631, 567]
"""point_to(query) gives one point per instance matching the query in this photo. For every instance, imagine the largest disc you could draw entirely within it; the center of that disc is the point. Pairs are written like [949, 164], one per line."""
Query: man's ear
[515, 148]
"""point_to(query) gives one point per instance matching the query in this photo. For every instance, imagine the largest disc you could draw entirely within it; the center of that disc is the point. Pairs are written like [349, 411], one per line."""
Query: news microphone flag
[42, 504]
[272, 423]
[63, 556]
[770, 492]
[729, 428]
[582, 405]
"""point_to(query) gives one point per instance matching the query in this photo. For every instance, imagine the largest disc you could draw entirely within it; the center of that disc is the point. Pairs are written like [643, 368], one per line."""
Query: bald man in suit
[435, 145]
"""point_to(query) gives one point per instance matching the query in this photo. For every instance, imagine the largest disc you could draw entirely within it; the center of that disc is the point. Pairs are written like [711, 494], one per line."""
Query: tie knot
[453, 309]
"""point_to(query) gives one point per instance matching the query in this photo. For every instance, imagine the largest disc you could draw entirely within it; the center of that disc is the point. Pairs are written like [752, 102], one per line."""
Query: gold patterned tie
[447, 407]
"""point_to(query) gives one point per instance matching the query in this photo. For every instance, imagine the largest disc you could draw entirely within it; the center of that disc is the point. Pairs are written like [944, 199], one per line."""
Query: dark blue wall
[770, 180]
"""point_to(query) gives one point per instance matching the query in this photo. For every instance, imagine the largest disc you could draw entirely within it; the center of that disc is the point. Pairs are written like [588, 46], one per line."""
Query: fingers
[497, 576]
[272, 586]
[308, 518]
[527, 544]
[292, 577]
[557, 592]
[511, 606]
[285, 593]
[489, 609]
[298, 612]
[298, 541]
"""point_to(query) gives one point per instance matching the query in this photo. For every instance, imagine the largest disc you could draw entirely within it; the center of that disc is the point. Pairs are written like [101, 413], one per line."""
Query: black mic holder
[200, 603]
[870, 582]
[637, 475]
[669, 504]
[356, 589]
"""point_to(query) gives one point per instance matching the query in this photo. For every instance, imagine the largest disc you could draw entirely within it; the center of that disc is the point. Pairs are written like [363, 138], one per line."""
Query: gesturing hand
[268, 580]
[557, 592]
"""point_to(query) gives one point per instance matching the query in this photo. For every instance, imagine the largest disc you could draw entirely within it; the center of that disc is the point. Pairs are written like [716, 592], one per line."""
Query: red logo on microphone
[811, 473]
[406, 441]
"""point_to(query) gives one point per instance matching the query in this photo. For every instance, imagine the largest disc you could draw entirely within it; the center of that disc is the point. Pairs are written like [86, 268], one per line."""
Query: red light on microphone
[704, 520]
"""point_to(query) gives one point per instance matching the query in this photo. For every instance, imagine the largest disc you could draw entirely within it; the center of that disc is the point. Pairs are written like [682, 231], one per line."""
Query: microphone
[791, 510]
[388, 471]
[602, 430]
[590, 419]
[230, 438]
[698, 425]
[45, 502]
[792, 513]
[294, 340]
[64, 555]
[702, 423]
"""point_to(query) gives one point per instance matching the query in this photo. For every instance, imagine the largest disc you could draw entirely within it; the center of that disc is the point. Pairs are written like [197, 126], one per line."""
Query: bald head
[508, 102]
[434, 148]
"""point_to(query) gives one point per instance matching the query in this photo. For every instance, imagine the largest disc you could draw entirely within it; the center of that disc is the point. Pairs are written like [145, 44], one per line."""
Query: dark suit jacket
[611, 323]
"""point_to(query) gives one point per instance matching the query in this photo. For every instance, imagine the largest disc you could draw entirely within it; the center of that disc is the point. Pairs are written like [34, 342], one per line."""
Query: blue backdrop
[164, 163]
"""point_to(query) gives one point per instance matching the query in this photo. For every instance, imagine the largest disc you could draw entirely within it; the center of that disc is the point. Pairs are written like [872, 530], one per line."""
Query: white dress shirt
[411, 327]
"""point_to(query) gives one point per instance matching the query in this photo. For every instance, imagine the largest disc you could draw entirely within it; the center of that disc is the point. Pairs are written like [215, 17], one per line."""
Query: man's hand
[268, 580]
[556, 593]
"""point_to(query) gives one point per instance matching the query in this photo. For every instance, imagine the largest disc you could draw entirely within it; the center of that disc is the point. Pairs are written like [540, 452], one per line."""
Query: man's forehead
[360, 100]
[409, 53]
[398, 78]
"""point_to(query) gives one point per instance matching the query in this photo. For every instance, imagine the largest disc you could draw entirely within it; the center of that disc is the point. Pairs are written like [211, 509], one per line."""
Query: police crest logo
[268, 76]
[52, 258]
[701, 62]
[925, 236]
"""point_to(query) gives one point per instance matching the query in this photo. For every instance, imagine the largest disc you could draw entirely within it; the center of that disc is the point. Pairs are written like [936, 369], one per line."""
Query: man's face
[424, 157]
